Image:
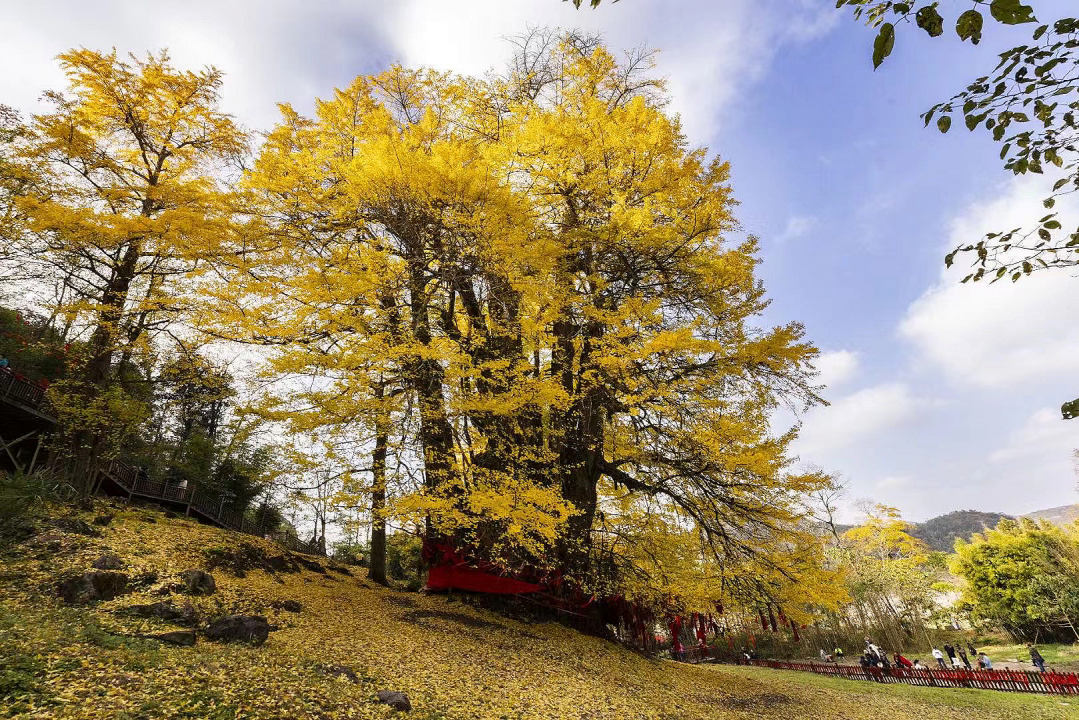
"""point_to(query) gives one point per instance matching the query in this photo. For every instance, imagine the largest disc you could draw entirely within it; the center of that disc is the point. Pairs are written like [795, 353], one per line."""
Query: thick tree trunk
[87, 441]
[578, 437]
[378, 496]
[427, 378]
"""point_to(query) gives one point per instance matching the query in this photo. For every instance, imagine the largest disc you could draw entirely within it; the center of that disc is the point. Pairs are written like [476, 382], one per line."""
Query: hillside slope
[1059, 515]
[941, 532]
[351, 639]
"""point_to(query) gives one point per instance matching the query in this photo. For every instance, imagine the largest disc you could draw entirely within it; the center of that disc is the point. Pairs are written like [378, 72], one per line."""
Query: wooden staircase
[120, 479]
[25, 421]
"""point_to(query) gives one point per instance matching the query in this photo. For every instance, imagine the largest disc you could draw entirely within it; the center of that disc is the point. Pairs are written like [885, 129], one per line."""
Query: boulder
[162, 611]
[104, 520]
[290, 605]
[93, 586]
[75, 527]
[312, 565]
[108, 562]
[145, 578]
[185, 638]
[17, 529]
[252, 629]
[345, 672]
[46, 543]
[197, 582]
[396, 700]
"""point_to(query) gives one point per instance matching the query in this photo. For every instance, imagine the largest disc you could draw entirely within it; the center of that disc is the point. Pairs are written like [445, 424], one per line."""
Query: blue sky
[943, 396]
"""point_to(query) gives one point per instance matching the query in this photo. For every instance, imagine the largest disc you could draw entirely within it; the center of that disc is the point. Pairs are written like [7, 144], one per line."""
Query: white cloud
[277, 50]
[797, 226]
[709, 51]
[1005, 335]
[860, 417]
[270, 51]
[894, 482]
[1043, 436]
[837, 367]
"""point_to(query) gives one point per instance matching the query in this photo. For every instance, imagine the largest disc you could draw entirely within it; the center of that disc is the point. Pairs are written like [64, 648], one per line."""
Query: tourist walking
[964, 658]
[940, 658]
[950, 652]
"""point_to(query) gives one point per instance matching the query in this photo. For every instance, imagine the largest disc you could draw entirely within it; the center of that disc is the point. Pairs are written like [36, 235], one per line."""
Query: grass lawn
[351, 639]
[1017, 657]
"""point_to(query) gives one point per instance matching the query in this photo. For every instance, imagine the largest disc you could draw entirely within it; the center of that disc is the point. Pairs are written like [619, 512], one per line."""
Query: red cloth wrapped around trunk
[462, 577]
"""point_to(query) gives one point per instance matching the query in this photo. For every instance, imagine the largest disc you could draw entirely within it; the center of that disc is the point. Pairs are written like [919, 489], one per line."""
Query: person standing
[971, 650]
[985, 662]
[964, 658]
[839, 654]
[950, 652]
[940, 658]
[1036, 658]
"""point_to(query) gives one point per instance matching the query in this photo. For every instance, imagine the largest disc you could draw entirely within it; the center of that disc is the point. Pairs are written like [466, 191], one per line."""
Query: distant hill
[1059, 515]
[941, 532]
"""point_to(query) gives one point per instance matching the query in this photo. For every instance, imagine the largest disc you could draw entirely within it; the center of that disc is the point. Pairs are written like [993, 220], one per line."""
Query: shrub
[352, 553]
[403, 559]
[21, 491]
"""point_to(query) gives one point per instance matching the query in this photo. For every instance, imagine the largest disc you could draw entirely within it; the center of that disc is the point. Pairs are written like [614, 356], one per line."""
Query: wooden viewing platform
[118, 478]
[17, 390]
[24, 421]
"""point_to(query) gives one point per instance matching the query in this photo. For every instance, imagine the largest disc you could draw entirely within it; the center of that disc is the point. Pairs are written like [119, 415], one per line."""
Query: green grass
[1057, 656]
[1017, 705]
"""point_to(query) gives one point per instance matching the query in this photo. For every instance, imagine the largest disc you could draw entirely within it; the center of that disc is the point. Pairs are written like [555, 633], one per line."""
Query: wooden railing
[1053, 683]
[209, 504]
[20, 390]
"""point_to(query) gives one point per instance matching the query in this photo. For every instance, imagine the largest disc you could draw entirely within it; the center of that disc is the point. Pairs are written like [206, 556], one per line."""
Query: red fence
[1055, 683]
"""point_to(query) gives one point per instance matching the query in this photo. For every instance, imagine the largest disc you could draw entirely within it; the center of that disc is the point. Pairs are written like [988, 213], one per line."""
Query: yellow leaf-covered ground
[452, 660]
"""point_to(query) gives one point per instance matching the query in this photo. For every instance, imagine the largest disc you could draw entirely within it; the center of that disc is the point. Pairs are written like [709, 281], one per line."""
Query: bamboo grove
[507, 309]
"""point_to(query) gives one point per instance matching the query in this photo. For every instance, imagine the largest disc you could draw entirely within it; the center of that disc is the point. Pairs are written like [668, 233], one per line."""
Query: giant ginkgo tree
[526, 281]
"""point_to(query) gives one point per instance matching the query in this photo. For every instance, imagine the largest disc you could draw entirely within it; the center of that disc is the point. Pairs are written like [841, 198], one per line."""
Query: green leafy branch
[885, 14]
[1030, 105]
